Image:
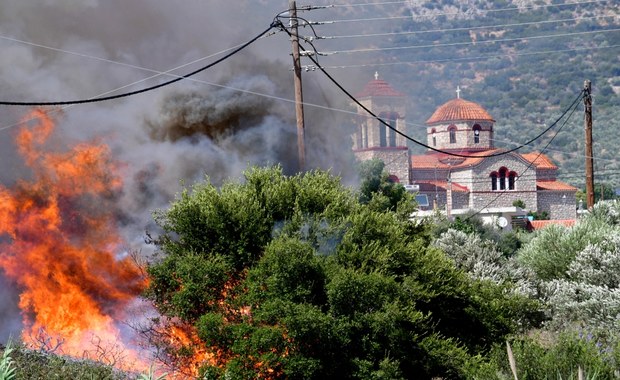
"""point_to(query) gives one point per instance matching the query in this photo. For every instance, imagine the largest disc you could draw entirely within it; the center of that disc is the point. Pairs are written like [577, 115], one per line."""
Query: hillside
[524, 61]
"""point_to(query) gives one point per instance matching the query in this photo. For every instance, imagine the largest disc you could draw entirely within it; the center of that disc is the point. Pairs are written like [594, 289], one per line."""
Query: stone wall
[464, 135]
[396, 160]
[503, 199]
[460, 200]
[559, 204]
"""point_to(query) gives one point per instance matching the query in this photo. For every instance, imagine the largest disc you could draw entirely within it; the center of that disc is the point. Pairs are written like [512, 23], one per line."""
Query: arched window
[503, 173]
[452, 131]
[476, 128]
[494, 181]
[433, 135]
[512, 177]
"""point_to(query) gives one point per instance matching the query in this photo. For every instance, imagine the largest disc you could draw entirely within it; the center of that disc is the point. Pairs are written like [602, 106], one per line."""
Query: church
[467, 173]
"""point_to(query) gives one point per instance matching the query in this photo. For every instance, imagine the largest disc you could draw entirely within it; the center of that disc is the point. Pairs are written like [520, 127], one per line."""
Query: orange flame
[57, 239]
[185, 337]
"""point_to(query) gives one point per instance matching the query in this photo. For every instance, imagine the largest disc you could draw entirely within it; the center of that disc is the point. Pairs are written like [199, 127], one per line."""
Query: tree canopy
[300, 277]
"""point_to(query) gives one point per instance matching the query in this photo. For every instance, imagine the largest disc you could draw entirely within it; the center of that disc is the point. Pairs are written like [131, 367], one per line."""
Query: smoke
[10, 325]
[216, 125]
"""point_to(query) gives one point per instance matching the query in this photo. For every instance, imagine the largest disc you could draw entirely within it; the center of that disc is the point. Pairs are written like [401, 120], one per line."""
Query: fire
[184, 337]
[59, 244]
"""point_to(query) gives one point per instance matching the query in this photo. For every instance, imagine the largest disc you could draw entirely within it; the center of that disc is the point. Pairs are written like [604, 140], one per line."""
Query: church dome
[459, 110]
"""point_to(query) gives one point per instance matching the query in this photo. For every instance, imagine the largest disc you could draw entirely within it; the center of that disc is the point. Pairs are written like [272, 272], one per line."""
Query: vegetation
[299, 277]
[561, 358]
[7, 366]
[22, 364]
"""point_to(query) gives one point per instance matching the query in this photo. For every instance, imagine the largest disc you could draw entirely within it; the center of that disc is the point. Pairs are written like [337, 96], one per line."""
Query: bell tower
[373, 139]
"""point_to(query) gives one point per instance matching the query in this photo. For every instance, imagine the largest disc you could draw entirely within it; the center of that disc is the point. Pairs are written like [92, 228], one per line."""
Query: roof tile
[378, 87]
[459, 109]
[538, 224]
[554, 185]
[540, 160]
[445, 161]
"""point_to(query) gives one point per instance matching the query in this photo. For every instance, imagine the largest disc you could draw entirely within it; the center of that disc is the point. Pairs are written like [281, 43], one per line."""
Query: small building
[462, 169]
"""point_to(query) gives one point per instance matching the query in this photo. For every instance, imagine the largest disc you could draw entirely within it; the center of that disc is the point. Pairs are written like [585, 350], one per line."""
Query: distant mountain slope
[524, 61]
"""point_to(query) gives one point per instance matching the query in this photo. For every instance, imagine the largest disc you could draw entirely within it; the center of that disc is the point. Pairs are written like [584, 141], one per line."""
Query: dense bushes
[323, 283]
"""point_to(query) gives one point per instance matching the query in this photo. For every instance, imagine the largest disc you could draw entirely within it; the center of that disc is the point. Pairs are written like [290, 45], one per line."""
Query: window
[452, 131]
[433, 134]
[387, 138]
[392, 122]
[512, 177]
[422, 200]
[365, 136]
[502, 178]
[476, 129]
[359, 138]
[382, 135]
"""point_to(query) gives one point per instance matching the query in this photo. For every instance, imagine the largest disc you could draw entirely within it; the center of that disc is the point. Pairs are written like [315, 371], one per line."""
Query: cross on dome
[376, 75]
[458, 92]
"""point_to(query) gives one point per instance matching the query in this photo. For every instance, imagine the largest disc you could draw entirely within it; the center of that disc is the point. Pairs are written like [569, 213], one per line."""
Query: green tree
[602, 192]
[295, 277]
[379, 191]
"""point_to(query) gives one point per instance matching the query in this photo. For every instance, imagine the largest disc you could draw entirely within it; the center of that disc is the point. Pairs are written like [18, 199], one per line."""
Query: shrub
[590, 295]
[559, 360]
[7, 366]
[550, 253]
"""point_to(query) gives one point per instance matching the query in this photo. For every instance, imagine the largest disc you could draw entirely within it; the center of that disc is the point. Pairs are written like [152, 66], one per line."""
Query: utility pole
[587, 101]
[299, 98]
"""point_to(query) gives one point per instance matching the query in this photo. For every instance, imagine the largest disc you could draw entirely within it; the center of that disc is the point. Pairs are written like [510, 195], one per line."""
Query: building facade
[462, 170]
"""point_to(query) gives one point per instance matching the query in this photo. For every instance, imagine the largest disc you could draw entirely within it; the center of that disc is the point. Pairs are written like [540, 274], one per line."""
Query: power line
[465, 58]
[100, 99]
[364, 4]
[370, 50]
[421, 143]
[406, 136]
[198, 81]
[193, 80]
[159, 73]
[387, 34]
[573, 108]
[471, 10]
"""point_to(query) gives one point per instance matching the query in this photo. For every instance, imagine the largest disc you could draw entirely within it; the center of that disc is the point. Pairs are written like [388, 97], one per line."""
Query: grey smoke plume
[176, 135]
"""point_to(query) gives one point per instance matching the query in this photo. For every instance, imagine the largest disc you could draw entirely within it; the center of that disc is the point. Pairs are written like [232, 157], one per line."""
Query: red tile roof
[538, 224]
[431, 185]
[541, 161]
[554, 185]
[378, 87]
[445, 161]
[459, 109]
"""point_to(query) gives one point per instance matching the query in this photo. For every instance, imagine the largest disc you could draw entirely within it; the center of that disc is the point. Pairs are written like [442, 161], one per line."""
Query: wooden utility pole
[299, 98]
[587, 101]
